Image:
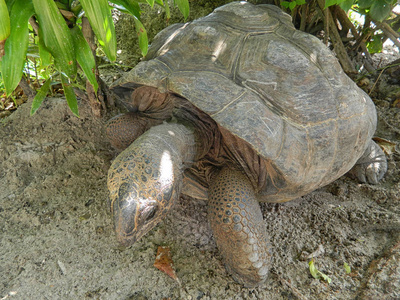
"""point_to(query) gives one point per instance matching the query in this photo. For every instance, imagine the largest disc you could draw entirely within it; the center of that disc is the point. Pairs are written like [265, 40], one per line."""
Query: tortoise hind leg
[237, 224]
[371, 166]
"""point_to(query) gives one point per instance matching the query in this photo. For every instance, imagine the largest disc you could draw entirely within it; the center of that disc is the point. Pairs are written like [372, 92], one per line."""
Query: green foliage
[375, 44]
[56, 36]
[59, 39]
[69, 95]
[183, 6]
[133, 9]
[84, 56]
[316, 273]
[379, 10]
[346, 4]
[99, 15]
[5, 21]
[347, 268]
[16, 45]
[40, 96]
[292, 4]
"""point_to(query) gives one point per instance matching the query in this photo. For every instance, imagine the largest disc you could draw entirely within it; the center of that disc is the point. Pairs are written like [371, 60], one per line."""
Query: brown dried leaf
[387, 146]
[164, 263]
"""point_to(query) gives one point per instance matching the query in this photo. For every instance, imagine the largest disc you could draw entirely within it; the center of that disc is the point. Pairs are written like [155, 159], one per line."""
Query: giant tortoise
[237, 107]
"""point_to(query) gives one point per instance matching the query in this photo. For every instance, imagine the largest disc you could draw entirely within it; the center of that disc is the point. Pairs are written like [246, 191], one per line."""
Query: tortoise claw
[372, 166]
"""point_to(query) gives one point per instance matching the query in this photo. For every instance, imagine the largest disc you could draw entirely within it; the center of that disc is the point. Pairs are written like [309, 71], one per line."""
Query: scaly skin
[238, 228]
[123, 129]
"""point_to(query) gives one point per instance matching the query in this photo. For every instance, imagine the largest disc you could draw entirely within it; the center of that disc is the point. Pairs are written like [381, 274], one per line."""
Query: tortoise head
[141, 193]
[133, 215]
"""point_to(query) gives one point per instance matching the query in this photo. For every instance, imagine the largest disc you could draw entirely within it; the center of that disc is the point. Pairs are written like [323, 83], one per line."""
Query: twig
[380, 74]
[96, 102]
[303, 19]
[26, 88]
[360, 41]
[376, 81]
[339, 48]
[389, 32]
[35, 26]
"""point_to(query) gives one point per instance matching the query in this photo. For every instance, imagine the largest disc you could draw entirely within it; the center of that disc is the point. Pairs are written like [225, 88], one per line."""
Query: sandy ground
[57, 239]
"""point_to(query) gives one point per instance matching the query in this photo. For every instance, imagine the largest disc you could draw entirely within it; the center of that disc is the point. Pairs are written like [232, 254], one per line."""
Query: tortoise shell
[277, 89]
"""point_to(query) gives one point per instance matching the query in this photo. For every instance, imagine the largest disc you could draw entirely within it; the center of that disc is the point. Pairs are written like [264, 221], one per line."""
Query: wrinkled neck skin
[145, 180]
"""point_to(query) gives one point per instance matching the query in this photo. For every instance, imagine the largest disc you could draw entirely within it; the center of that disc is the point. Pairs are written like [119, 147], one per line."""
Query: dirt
[57, 239]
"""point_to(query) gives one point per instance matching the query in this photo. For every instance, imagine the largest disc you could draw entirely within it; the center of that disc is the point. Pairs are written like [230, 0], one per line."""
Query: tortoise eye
[149, 212]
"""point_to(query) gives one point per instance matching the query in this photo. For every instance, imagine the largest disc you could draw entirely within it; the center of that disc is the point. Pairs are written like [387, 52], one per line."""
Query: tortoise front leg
[237, 224]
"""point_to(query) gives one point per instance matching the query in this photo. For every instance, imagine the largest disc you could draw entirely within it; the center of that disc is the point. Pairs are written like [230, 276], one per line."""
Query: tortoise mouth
[128, 239]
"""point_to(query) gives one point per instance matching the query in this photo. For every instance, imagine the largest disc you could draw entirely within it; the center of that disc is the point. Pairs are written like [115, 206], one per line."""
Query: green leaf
[300, 2]
[128, 6]
[292, 5]
[84, 56]
[347, 268]
[70, 95]
[44, 53]
[313, 270]
[330, 3]
[99, 14]
[316, 273]
[16, 45]
[133, 9]
[183, 6]
[375, 45]
[40, 96]
[365, 3]
[56, 36]
[5, 22]
[380, 10]
[325, 277]
[62, 5]
[142, 35]
[10, 3]
[150, 2]
[346, 5]
[285, 4]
